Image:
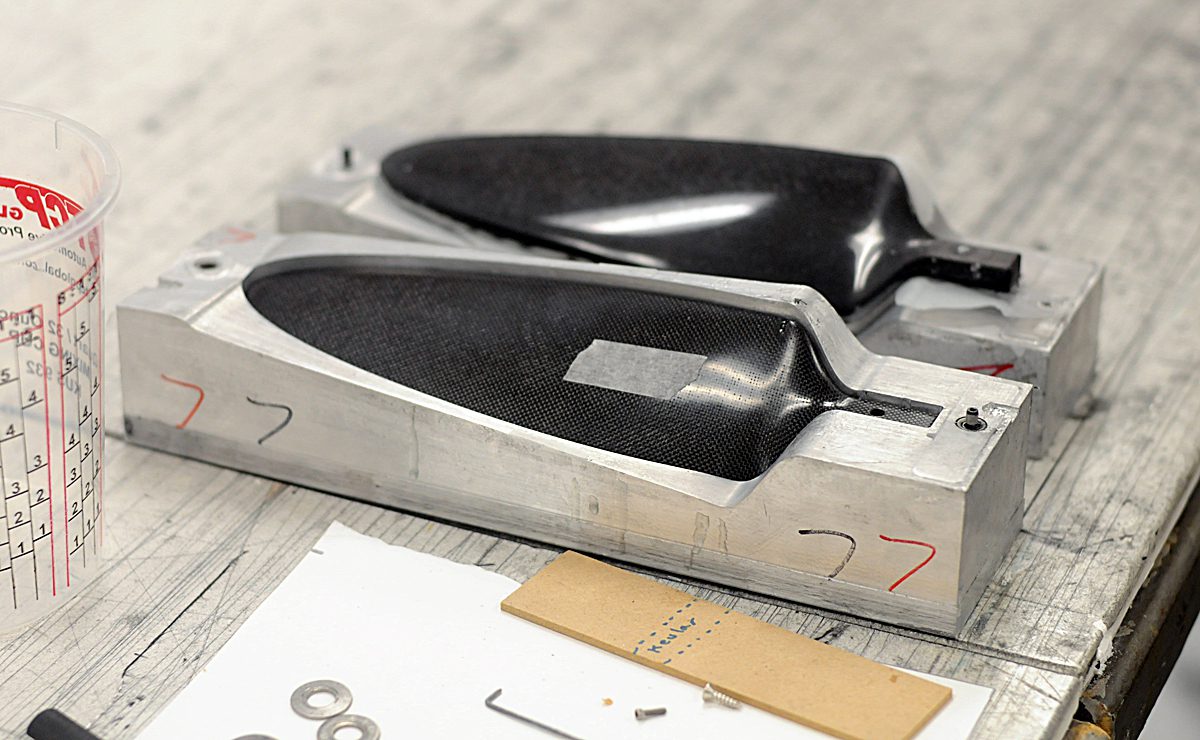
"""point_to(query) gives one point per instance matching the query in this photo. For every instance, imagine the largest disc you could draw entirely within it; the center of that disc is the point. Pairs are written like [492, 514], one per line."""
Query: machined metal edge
[199, 320]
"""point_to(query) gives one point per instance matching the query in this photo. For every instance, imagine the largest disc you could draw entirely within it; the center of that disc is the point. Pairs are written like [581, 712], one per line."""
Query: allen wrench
[490, 703]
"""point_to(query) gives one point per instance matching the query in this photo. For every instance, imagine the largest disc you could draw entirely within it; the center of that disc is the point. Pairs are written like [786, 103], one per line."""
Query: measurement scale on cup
[51, 441]
[57, 181]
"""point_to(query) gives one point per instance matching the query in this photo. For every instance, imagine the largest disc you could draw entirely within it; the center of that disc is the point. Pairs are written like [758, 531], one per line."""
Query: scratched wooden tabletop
[1073, 124]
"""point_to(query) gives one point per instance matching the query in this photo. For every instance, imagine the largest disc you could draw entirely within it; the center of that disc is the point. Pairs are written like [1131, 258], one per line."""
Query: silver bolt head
[646, 713]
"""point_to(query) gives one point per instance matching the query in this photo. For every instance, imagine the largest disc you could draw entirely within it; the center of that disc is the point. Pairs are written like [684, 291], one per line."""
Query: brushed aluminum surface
[883, 520]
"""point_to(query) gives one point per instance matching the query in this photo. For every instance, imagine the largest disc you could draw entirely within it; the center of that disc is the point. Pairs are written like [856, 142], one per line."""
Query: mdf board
[701, 642]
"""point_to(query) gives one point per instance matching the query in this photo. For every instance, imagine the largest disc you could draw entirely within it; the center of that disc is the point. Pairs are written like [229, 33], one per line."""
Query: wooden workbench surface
[1064, 123]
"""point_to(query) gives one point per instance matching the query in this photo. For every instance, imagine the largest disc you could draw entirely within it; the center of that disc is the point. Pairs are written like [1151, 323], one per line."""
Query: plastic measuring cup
[57, 181]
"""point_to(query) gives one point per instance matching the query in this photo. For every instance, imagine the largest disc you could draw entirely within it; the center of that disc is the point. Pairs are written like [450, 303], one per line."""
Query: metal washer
[341, 699]
[365, 725]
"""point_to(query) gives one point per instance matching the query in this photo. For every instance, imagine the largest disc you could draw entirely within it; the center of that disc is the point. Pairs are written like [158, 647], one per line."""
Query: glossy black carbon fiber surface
[842, 224]
[500, 345]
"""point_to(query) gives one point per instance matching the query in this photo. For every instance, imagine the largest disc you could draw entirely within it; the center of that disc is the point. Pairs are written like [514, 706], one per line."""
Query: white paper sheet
[421, 641]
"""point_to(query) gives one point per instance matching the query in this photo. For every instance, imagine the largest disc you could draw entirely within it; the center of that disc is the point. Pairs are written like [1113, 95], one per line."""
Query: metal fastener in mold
[972, 422]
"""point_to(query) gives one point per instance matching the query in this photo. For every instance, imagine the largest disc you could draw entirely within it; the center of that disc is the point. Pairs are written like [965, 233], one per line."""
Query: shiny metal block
[899, 522]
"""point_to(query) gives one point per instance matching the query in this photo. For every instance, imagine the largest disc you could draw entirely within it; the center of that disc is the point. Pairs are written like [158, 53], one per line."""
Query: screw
[712, 696]
[647, 713]
[972, 421]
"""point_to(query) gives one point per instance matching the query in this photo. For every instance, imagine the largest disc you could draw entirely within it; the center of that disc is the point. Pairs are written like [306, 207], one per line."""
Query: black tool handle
[51, 724]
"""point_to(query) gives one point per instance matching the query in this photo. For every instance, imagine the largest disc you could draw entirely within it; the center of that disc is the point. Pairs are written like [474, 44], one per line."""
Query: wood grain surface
[1067, 124]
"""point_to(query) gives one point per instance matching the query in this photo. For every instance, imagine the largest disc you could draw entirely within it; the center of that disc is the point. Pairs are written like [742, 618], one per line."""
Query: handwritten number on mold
[187, 419]
[276, 430]
[920, 565]
[849, 553]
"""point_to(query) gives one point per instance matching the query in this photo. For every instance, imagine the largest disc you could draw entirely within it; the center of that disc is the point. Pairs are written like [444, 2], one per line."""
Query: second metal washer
[366, 726]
